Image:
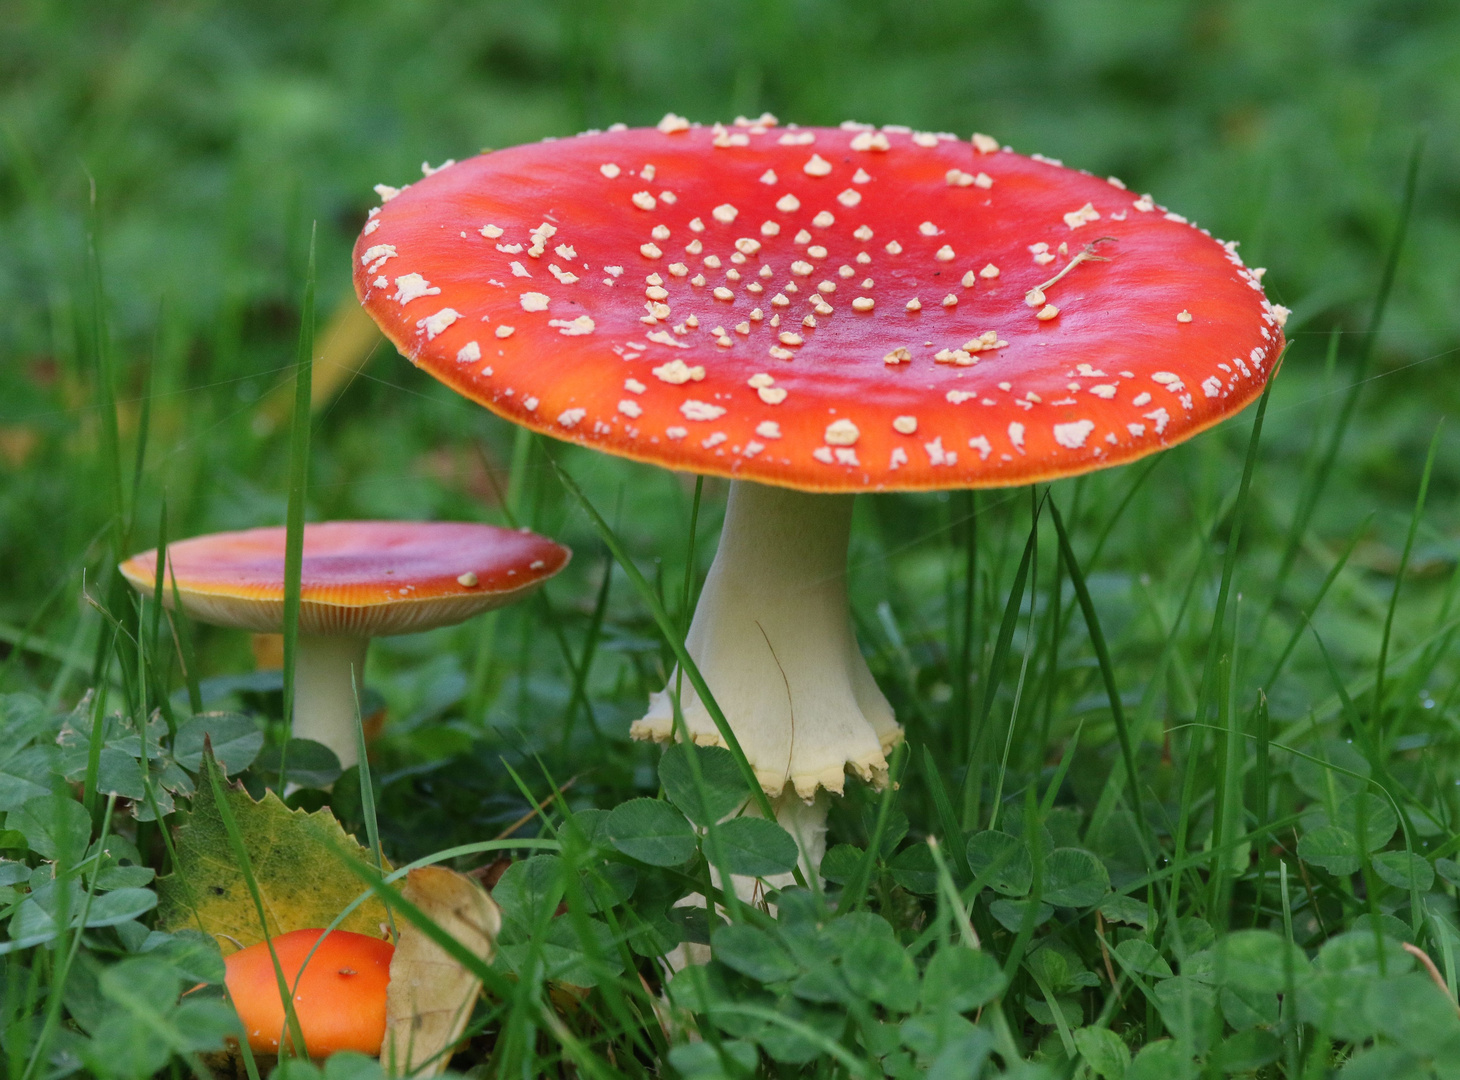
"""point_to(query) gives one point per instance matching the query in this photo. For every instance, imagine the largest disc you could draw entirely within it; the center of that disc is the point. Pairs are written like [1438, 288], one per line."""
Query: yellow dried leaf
[297, 861]
[431, 995]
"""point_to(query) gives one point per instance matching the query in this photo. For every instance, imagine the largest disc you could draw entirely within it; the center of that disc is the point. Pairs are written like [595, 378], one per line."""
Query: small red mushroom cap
[359, 578]
[339, 1000]
[826, 309]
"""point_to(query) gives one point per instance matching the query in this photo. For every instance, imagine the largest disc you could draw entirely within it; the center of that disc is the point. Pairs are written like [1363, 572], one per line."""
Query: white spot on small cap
[410, 287]
[817, 166]
[573, 327]
[435, 324]
[870, 140]
[1074, 434]
[701, 410]
[677, 372]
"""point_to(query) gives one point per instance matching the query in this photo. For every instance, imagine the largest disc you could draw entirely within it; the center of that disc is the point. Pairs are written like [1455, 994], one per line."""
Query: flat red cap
[359, 578]
[820, 308]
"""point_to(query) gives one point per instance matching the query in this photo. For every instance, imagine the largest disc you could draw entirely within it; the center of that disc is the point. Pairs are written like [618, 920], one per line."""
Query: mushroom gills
[772, 636]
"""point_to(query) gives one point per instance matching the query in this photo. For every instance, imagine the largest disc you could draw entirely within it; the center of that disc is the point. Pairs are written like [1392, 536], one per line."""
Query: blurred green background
[210, 135]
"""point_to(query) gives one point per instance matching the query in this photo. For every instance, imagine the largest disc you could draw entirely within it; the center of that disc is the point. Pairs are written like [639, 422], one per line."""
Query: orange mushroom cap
[818, 308]
[360, 578]
[339, 1000]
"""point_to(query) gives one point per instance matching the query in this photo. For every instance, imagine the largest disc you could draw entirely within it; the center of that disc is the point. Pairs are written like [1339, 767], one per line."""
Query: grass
[1151, 713]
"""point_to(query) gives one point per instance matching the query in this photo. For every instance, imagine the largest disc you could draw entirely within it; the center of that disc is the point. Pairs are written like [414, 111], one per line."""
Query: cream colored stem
[772, 635]
[328, 680]
[806, 822]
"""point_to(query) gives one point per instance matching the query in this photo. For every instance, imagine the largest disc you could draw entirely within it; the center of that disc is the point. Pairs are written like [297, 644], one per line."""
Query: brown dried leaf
[431, 995]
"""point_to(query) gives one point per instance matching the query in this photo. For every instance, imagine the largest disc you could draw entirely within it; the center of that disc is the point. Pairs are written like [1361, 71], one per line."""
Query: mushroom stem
[805, 820]
[329, 678]
[772, 636]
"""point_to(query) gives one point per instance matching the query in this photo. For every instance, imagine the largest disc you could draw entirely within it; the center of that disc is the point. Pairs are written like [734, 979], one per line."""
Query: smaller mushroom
[360, 579]
[339, 999]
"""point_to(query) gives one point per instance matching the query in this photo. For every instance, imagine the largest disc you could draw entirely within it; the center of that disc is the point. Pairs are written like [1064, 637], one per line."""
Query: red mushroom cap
[360, 578]
[825, 309]
[340, 1000]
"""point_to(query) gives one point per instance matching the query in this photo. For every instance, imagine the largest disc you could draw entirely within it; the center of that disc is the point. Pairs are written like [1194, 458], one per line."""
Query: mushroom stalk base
[329, 678]
[806, 822]
[772, 636]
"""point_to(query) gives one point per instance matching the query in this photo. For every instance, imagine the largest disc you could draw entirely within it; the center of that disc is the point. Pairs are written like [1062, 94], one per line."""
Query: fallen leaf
[431, 995]
[297, 861]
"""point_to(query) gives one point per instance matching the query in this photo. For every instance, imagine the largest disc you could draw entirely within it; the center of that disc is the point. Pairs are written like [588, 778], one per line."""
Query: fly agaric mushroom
[813, 312]
[360, 579]
[339, 1000]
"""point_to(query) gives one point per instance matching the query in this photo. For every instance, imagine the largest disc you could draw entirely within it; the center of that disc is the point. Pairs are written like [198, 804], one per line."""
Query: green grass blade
[1414, 520]
[144, 419]
[245, 867]
[1234, 538]
[29, 637]
[182, 631]
[1314, 491]
[98, 731]
[1030, 638]
[963, 669]
[579, 693]
[1308, 612]
[110, 448]
[973, 781]
[492, 979]
[686, 605]
[66, 950]
[1315, 475]
[298, 490]
[1107, 675]
[1216, 638]
[1146, 468]
[671, 633]
[856, 889]
[947, 820]
[159, 575]
[151, 641]
[367, 793]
